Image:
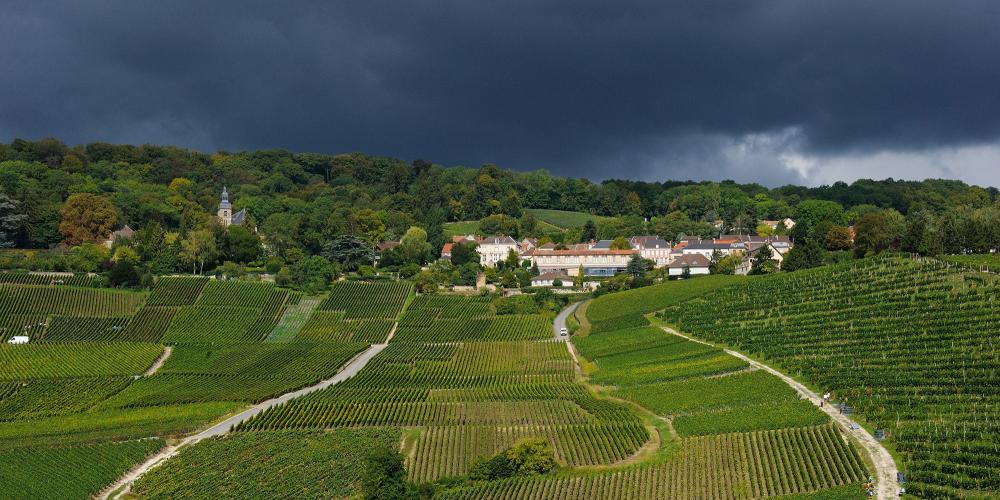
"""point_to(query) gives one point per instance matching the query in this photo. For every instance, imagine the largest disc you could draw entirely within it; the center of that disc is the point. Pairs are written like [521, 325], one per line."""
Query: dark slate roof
[602, 245]
[240, 217]
[498, 240]
[690, 260]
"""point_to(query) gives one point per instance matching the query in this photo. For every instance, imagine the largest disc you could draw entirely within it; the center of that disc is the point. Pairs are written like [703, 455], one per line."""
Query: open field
[563, 219]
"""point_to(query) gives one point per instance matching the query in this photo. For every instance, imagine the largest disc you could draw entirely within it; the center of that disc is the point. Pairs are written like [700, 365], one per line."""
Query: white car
[563, 332]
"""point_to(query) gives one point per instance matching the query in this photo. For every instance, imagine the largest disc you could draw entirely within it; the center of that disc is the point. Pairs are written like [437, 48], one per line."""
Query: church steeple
[225, 208]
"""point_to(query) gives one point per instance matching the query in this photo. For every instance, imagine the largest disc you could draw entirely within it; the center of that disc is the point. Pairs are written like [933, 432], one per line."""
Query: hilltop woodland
[313, 216]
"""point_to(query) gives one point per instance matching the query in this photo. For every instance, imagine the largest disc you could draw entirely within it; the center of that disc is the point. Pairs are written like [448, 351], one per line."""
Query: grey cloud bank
[777, 91]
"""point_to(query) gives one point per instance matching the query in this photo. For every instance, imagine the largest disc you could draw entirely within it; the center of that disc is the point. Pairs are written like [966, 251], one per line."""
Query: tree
[874, 233]
[500, 224]
[231, 270]
[88, 257]
[464, 253]
[727, 265]
[638, 267]
[589, 232]
[804, 256]
[312, 274]
[578, 280]
[686, 272]
[86, 217]
[425, 282]
[529, 224]
[10, 221]
[197, 249]
[385, 477]
[532, 456]
[413, 247]
[765, 230]
[620, 243]
[762, 261]
[713, 266]
[838, 238]
[350, 252]
[241, 244]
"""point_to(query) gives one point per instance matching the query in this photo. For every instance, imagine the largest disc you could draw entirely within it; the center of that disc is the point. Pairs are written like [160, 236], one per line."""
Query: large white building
[493, 249]
[595, 262]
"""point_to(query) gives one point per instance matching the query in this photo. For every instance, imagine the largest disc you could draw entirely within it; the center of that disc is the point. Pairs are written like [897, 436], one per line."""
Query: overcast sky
[773, 91]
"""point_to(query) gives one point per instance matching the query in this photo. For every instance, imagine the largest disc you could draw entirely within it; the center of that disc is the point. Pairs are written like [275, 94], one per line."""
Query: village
[559, 264]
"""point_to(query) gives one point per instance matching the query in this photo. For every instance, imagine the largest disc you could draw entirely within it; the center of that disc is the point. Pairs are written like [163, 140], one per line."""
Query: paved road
[885, 466]
[349, 370]
[560, 321]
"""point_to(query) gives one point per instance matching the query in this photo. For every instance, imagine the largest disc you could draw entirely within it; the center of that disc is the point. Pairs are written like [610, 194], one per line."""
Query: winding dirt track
[885, 466]
[167, 350]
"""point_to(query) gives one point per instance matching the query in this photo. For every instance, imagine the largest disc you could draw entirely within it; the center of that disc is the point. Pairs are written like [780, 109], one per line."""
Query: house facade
[595, 262]
[653, 248]
[493, 249]
[695, 263]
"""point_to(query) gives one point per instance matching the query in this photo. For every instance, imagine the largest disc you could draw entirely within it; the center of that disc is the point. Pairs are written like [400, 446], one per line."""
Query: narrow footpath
[885, 466]
[124, 484]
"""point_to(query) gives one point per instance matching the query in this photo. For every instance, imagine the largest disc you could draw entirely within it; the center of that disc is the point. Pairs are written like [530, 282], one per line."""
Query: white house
[695, 263]
[19, 339]
[653, 248]
[549, 279]
[493, 249]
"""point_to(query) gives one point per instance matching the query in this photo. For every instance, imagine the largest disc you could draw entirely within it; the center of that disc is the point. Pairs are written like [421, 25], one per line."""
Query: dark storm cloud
[601, 89]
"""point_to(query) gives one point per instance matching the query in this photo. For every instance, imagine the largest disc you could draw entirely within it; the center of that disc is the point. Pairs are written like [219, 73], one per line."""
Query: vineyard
[356, 312]
[912, 345]
[471, 400]
[68, 472]
[19, 362]
[228, 313]
[26, 309]
[449, 318]
[269, 465]
[616, 311]
[757, 464]
[249, 373]
[75, 407]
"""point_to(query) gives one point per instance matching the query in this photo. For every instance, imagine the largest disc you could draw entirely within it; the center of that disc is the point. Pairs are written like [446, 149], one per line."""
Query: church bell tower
[225, 209]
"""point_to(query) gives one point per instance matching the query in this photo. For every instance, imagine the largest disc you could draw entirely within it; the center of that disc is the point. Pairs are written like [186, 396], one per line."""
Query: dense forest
[302, 204]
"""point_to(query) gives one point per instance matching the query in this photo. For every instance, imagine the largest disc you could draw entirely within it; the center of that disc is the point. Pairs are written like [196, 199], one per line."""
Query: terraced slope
[913, 346]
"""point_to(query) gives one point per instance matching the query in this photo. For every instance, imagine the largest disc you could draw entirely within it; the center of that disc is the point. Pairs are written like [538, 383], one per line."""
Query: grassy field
[460, 228]
[563, 219]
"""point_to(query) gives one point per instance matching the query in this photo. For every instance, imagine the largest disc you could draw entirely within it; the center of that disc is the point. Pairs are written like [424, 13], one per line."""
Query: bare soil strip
[167, 350]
